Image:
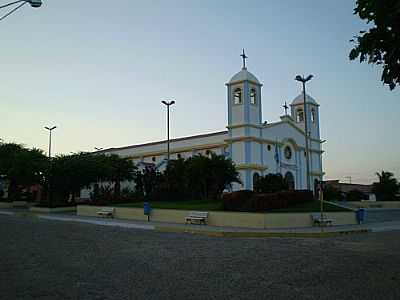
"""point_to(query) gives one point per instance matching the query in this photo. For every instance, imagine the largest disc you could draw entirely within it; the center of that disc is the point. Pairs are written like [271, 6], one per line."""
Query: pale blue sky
[99, 69]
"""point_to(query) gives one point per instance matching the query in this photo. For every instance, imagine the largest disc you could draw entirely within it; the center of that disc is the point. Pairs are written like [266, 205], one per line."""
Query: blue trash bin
[147, 210]
[360, 214]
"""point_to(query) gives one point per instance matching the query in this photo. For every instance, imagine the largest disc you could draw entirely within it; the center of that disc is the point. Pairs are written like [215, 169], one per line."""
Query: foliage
[249, 201]
[271, 183]
[387, 187]
[380, 45]
[71, 173]
[22, 167]
[356, 195]
[198, 177]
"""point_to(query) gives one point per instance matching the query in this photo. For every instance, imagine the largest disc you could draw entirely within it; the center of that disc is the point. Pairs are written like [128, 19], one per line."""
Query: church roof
[300, 100]
[244, 75]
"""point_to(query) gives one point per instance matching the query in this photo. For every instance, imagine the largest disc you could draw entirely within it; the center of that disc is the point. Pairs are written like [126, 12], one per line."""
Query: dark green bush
[248, 201]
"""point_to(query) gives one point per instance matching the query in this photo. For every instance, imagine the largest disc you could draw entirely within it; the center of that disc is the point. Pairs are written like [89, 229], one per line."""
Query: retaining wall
[225, 219]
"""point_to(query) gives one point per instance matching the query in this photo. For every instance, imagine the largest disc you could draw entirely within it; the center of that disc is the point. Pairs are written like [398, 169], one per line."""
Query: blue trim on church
[247, 184]
[247, 152]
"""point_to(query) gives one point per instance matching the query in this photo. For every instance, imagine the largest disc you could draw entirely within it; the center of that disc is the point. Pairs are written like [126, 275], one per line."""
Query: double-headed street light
[303, 80]
[168, 104]
[33, 3]
[50, 129]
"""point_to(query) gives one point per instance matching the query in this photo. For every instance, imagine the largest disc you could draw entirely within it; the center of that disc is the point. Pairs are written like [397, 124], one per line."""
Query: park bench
[316, 219]
[106, 212]
[199, 216]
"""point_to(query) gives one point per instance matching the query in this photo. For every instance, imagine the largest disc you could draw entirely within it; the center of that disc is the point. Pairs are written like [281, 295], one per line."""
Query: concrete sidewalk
[212, 230]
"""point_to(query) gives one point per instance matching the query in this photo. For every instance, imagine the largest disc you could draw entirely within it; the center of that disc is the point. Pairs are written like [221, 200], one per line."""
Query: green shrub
[248, 201]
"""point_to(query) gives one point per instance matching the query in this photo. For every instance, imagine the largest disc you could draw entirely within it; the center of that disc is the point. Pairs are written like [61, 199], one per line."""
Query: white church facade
[256, 147]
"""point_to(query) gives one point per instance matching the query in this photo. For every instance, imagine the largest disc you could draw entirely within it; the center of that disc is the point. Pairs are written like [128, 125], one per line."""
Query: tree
[386, 188]
[271, 183]
[380, 45]
[69, 174]
[22, 167]
[118, 169]
[209, 176]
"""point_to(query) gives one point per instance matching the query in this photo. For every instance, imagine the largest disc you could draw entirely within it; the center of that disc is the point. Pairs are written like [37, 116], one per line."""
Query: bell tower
[245, 124]
[244, 97]
[298, 115]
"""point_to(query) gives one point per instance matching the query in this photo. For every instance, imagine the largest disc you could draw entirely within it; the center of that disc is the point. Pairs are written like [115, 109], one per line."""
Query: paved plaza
[48, 259]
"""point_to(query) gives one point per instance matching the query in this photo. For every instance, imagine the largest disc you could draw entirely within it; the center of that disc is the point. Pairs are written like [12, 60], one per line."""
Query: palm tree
[387, 187]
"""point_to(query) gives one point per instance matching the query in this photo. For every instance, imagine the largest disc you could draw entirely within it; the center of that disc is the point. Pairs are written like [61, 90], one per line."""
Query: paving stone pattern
[45, 259]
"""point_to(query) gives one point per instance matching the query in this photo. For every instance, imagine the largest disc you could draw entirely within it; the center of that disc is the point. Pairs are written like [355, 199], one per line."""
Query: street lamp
[303, 81]
[33, 3]
[50, 130]
[168, 104]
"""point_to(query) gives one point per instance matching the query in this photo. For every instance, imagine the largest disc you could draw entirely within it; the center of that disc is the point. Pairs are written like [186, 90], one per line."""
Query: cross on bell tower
[286, 107]
[244, 57]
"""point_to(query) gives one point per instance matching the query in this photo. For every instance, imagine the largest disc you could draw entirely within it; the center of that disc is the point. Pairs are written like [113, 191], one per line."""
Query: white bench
[316, 219]
[199, 216]
[106, 212]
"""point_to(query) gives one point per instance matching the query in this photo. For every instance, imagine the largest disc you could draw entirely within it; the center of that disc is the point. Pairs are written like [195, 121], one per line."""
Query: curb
[259, 234]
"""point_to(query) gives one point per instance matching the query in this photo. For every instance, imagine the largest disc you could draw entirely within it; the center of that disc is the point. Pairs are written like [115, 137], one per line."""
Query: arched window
[289, 180]
[253, 96]
[237, 96]
[300, 115]
[312, 115]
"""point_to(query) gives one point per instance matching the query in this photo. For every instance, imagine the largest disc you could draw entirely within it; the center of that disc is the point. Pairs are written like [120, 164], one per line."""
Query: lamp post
[303, 80]
[168, 104]
[33, 3]
[50, 129]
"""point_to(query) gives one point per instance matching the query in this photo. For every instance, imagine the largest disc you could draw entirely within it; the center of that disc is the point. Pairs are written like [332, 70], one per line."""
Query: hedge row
[249, 201]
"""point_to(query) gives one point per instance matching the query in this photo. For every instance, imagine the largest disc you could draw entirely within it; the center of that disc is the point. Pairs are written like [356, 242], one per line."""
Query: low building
[345, 188]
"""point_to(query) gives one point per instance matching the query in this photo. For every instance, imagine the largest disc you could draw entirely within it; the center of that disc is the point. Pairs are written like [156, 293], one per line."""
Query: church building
[256, 147]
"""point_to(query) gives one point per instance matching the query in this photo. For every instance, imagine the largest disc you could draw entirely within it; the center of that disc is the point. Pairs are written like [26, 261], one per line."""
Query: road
[44, 259]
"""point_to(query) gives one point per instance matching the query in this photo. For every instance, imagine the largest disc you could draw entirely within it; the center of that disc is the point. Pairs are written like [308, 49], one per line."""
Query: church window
[153, 158]
[288, 152]
[237, 96]
[289, 178]
[300, 115]
[269, 147]
[253, 96]
[313, 115]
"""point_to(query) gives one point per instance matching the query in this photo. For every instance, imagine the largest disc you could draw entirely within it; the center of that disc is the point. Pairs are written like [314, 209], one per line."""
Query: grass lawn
[313, 206]
[185, 205]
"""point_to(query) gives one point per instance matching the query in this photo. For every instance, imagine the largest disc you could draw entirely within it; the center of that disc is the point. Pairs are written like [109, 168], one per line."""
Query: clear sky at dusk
[99, 69]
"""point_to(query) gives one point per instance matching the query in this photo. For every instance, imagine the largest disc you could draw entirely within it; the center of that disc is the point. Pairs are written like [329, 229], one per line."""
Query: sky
[98, 70]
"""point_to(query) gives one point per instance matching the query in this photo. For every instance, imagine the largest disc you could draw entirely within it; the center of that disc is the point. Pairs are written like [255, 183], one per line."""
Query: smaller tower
[297, 113]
